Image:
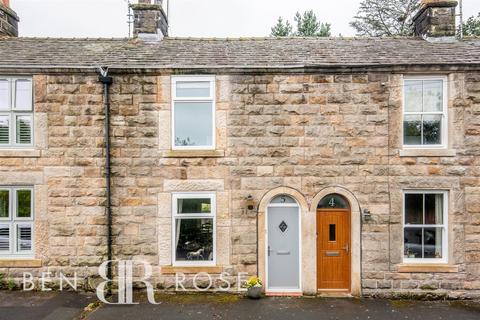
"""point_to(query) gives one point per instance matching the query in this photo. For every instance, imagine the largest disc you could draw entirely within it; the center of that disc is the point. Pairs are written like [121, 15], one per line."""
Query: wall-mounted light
[250, 202]
[367, 215]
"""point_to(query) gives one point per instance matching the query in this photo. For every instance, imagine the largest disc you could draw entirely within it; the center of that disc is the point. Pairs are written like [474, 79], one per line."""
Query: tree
[307, 26]
[471, 27]
[379, 18]
[281, 29]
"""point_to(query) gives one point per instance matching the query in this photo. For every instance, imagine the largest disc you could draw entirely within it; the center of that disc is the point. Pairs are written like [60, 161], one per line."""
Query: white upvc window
[193, 229]
[425, 226]
[16, 221]
[193, 112]
[16, 112]
[425, 112]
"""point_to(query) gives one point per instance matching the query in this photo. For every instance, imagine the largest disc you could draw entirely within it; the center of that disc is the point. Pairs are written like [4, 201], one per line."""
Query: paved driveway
[68, 305]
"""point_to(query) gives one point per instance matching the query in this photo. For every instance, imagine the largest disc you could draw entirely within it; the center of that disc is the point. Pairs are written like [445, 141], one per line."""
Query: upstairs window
[16, 221]
[16, 112]
[425, 226]
[193, 113]
[425, 112]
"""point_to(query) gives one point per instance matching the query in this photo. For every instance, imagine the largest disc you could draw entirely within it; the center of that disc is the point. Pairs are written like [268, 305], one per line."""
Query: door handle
[346, 248]
[269, 251]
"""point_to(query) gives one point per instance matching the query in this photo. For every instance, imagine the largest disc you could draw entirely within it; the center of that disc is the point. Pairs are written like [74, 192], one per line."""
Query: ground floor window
[16, 221]
[193, 229]
[425, 226]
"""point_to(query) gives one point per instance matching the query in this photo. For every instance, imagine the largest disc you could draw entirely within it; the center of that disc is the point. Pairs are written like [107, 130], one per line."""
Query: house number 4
[332, 203]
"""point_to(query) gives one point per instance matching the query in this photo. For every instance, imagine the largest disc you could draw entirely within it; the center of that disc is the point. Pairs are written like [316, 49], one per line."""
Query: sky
[188, 18]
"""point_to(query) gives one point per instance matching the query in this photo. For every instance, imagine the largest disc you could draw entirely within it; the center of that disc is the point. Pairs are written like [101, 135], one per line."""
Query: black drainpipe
[107, 81]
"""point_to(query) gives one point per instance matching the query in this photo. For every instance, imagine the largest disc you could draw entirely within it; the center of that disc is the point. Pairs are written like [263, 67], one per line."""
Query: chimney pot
[435, 20]
[8, 20]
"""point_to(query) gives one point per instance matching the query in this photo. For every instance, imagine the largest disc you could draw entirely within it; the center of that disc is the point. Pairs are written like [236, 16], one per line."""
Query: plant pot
[254, 292]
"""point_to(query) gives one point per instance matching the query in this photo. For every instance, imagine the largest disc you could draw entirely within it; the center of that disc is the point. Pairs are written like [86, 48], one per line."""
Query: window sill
[427, 268]
[190, 270]
[19, 153]
[20, 263]
[428, 153]
[194, 154]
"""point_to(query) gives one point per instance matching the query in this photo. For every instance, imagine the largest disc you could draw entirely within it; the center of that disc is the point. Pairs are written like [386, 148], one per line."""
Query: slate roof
[234, 53]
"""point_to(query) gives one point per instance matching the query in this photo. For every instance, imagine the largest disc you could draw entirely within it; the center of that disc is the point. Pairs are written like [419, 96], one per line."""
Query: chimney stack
[150, 21]
[8, 20]
[435, 21]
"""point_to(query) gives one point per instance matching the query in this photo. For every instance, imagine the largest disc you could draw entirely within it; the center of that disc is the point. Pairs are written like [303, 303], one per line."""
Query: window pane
[4, 129]
[24, 203]
[432, 129]
[333, 201]
[4, 203]
[432, 95]
[24, 129]
[413, 96]
[413, 242]
[194, 205]
[193, 124]
[432, 243]
[194, 239]
[283, 199]
[412, 130]
[23, 95]
[4, 237]
[413, 208]
[4, 95]
[24, 237]
[331, 232]
[189, 89]
[433, 208]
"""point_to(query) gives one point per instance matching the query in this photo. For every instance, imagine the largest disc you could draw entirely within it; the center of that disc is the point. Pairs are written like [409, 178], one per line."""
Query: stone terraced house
[334, 165]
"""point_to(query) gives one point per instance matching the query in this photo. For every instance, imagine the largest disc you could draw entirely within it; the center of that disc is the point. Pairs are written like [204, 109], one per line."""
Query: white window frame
[443, 113]
[12, 112]
[212, 215]
[444, 226]
[13, 222]
[210, 98]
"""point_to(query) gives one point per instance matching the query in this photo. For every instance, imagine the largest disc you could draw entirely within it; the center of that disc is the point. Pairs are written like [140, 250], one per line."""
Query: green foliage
[385, 18]
[471, 27]
[281, 29]
[253, 282]
[11, 285]
[308, 25]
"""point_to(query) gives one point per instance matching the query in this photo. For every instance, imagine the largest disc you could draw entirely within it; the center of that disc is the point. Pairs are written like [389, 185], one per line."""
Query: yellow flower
[253, 282]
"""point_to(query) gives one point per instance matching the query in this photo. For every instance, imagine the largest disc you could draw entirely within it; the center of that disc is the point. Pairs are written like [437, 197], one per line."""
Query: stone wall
[306, 132]
[66, 171]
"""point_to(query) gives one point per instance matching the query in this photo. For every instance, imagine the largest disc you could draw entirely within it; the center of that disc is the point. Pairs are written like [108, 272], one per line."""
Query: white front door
[283, 247]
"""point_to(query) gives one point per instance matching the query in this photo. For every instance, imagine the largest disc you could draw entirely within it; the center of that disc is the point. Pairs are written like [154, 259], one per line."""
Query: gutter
[314, 68]
[107, 81]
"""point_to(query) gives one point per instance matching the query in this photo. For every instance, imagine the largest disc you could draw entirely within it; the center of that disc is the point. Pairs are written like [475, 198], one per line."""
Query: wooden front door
[333, 250]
